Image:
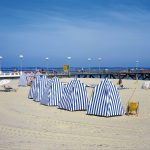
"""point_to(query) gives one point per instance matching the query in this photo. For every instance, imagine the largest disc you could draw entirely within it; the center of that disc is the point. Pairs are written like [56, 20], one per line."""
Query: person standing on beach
[120, 83]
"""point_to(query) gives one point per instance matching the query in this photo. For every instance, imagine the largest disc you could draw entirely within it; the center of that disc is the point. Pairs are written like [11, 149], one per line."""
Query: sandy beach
[27, 125]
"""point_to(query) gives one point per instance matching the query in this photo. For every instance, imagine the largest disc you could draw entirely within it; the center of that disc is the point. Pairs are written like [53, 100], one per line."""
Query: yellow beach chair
[132, 108]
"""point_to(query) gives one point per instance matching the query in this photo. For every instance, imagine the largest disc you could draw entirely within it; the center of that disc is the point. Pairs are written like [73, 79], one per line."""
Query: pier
[110, 75]
[134, 75]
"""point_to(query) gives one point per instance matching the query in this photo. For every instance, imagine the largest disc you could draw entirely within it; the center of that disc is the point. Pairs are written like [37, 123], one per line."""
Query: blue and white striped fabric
[23, 80]
[40, 89]
[34, 86]
[52, 93]
[74, 96]
[105, 100]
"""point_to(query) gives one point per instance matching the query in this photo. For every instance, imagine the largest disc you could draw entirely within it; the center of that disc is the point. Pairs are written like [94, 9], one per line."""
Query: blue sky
[118, 31]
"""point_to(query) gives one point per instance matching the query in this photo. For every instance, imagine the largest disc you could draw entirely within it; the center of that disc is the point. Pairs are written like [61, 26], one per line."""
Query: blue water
[73, 69]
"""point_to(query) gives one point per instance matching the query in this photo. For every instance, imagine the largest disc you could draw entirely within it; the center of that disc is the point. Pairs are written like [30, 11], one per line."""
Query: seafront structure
[103, 73]
[110, 75]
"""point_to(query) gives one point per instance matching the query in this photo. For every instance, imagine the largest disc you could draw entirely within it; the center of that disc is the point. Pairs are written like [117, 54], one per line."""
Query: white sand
[25, 124]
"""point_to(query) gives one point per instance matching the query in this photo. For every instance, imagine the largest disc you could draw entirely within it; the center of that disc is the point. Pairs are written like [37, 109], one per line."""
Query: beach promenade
[27, 125]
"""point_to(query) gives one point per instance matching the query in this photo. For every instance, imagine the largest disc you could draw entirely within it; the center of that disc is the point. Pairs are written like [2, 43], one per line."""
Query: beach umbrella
[74, 96]
[52, 93]
[105, 100]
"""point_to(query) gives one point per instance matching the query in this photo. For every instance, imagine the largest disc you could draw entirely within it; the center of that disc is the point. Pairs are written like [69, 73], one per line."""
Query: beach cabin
[34, 85]
[41, 85]
[105, 100]
[23, 80]
[52, 93]
[74, 96]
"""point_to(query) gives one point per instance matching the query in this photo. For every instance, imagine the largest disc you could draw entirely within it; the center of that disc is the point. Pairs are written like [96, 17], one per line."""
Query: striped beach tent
[74, 96]
[41, 85]
[34, 86]
[105, 100]
[23, 80]
[52, 93]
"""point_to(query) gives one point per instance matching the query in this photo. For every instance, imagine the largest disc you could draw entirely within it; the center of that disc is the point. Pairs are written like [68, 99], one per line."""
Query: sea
[75, 69]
